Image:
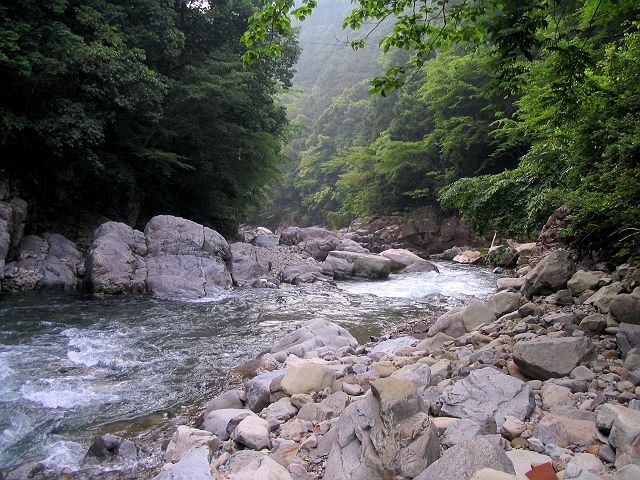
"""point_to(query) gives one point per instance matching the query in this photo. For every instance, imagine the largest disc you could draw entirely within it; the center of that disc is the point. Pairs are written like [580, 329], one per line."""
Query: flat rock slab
[488, 397]
[546, 357]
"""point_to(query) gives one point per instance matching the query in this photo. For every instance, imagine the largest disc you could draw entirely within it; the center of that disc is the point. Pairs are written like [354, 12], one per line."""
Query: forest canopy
[132, 108]
[502, 111]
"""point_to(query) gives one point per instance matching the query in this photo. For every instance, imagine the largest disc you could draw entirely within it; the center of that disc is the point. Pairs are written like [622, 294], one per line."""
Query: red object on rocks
[542, 472]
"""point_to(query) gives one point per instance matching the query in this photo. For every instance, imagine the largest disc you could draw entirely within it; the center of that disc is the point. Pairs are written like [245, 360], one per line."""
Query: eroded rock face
[343, 265]
[245, 268]
[383, 435]
[546, 357]
[466, 459]
[174, 258]
[488, 397]
[316, 241]
[50, 261]
[550, 275]
[115, 262]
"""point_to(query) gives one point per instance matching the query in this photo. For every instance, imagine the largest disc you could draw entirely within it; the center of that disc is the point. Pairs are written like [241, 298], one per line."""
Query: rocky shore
[541, 379]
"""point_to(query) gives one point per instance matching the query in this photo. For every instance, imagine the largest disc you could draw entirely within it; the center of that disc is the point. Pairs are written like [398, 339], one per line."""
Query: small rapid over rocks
[74, 366]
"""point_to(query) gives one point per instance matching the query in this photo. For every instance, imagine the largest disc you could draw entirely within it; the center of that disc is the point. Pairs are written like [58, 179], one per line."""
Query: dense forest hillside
[129, 109]
[538, 108]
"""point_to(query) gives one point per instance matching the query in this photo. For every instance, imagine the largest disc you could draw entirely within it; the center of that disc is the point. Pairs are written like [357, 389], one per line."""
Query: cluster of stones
[495, 389]
[177, 258]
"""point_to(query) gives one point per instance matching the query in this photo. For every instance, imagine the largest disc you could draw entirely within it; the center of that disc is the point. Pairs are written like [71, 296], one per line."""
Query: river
[73, 366]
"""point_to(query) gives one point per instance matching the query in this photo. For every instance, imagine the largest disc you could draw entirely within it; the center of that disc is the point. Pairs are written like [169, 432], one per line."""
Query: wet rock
[402, 258]
[186, 438]
[110, 447]
[194, 465]
[244, 266]
[550, 275]
[343, 265]
[313, 335]
[546, 357]
[303, 273]
[115, 262]
[307, 378]
[466, 459]
[625, 308]
[252, 432]
[469, 257]
[488, 397]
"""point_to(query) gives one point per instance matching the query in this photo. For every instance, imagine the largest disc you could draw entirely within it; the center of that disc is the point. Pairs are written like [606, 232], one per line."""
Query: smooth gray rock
[307, 378]
[508, 282]
[252, 432]
[475, 314]
[313, 335]
[462, 461]
[227, 399]
[550, 275]
[625, 308]
[488, 396]
[222, 422]
[628, 472]
[402, 258]
[462, 430]
[393, 345]
[582, 281]
[450, 323]
[244, 266]
[251, 465]
[115, 262]
[545, 357]
[303, 273]
[604, 296]
[194, 465]
[504, 302]
[625, 437]
[344, 265]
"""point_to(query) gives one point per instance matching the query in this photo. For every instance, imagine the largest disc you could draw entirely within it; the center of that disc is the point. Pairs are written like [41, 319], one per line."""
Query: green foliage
[105, 100]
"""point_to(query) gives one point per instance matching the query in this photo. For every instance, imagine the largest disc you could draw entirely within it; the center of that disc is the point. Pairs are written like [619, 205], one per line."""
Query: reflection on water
[73, 366]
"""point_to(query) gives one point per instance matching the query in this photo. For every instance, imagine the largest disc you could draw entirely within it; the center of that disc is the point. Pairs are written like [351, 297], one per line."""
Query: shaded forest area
[134, 108]
[537, 107]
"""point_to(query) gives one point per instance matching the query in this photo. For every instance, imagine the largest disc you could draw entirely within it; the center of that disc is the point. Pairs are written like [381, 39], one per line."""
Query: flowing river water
[75, 366]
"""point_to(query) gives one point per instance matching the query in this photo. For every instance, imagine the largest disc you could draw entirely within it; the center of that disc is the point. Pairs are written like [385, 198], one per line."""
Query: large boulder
[488, 397]
[628, 337]
[582, 281]
[625, 308]
[504, 302]
[383, 435]
[343, 265]
[245, 268]
[546, 357]
[184, 259]
[464, 460]
[604, 296]
[115, 262]
[450, 323]
[303, 273]
[259, 388]
[316, 241]
[252, 432]
[477, 313]
[50, 261]
[313, 336]
[469, 257]
[223, 422]
[550, 275]
[402, 259]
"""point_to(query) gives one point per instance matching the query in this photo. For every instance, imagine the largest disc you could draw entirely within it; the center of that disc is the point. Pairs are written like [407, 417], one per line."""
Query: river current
[74, 366]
